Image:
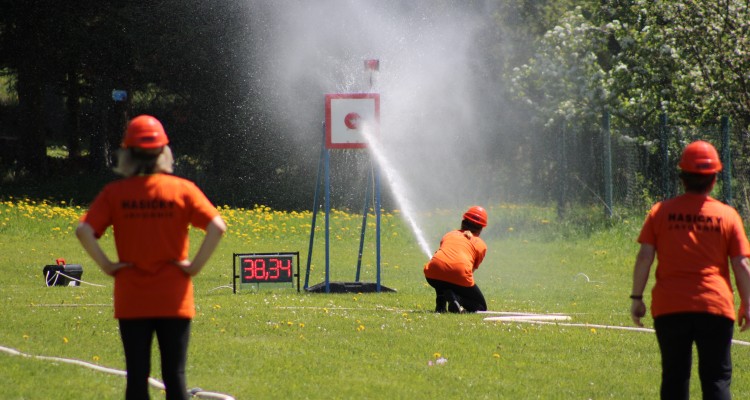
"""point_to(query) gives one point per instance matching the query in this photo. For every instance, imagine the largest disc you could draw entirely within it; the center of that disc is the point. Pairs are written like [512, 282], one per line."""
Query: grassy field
[272, 342]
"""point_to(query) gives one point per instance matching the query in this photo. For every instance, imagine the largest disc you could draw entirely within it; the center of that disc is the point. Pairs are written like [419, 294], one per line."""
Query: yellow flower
[65, 340]
[436, 355]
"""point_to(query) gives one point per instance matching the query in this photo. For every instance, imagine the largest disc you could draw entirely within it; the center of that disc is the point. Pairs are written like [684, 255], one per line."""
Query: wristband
[636, 297]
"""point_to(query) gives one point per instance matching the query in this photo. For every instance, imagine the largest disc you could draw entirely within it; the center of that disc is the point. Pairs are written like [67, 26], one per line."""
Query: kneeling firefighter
[451, 270]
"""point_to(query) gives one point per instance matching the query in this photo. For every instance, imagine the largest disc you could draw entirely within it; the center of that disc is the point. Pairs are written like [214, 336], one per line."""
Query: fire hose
[196, 392]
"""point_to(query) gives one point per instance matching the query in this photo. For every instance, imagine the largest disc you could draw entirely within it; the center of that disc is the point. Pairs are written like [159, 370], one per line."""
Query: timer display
[266, 269]
[257, 268]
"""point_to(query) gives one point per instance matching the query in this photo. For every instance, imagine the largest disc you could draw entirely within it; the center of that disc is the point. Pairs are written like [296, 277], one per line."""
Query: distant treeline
[544, 67]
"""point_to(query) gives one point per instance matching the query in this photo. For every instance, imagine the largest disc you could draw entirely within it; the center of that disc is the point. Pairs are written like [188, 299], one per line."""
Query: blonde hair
[134, 161]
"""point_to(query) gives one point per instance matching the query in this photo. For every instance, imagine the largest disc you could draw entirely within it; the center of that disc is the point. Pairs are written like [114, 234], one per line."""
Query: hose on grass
[541, 321]
[196, 392]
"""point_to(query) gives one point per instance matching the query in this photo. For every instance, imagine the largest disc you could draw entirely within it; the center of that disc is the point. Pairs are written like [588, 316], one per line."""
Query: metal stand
[343, 287]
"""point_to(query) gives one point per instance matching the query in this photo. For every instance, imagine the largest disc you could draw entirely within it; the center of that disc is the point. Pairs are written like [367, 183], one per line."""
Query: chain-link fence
[626, 168]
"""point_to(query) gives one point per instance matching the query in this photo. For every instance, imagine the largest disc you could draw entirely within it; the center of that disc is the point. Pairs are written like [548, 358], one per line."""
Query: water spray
[399, 189]
[372, 66]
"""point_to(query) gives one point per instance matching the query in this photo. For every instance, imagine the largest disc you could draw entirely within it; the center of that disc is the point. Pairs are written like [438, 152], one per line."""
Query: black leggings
[470, 298]
[712, 335]
[173, 335]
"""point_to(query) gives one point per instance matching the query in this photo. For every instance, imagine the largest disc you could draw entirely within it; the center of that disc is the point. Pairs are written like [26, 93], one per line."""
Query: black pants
[173, 335]
[712, 335]
[470, 298]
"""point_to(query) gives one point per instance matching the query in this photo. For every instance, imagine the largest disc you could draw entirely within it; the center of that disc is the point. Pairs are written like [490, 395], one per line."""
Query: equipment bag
[62, 274]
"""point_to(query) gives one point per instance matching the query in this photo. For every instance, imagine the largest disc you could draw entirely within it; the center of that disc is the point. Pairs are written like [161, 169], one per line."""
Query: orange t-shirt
[150, 216]
[694, 237]
[456, 259]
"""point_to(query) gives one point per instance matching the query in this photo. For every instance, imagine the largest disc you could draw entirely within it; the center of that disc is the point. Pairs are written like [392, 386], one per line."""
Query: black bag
[62, 274]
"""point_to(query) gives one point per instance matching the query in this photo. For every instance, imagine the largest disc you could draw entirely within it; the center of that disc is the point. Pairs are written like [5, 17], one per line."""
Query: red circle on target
[352, 120]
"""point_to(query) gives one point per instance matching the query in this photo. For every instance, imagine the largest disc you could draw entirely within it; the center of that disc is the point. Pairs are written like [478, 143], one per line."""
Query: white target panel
[351, 118]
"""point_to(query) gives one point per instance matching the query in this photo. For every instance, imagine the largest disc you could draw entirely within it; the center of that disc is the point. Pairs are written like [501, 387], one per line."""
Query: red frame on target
[368, 100]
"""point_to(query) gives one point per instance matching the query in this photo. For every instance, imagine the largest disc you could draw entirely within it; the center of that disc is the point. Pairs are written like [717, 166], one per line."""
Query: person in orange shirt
[696, 238]
[150, 211]
[451, 270]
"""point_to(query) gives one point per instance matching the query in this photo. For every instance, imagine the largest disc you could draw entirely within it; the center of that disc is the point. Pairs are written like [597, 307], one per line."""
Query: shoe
[455, 307]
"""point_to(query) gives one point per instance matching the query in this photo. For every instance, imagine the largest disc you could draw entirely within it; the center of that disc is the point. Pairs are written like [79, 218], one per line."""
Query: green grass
[272, 342]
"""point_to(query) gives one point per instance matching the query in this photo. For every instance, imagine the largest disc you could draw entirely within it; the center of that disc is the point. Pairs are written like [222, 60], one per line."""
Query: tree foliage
[640, 58]
[543, 66]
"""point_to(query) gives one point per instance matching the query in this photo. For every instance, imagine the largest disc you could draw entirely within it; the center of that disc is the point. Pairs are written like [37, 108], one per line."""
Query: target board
[351, 118]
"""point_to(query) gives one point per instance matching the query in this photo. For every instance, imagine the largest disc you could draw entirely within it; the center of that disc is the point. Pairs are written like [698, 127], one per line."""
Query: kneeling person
[451, 269]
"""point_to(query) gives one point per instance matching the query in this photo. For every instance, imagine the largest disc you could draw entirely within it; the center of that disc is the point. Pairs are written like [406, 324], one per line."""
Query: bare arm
[214, 232]
[741, 269]
[641, 271]
[86, 236]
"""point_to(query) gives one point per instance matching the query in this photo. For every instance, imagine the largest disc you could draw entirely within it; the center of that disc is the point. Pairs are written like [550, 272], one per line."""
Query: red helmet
[700, 157]
[477, 215]
[145, 132]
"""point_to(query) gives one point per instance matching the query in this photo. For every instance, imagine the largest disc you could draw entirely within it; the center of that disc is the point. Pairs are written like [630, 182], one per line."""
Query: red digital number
[266, 269]
[286, 268]
[274, 269]
[279, 266]
[255, 269]
[260, 270]
[248, 272]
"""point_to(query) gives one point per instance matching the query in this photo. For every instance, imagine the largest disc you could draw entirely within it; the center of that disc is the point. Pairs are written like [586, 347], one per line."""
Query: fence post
[562, 170]
[607, 167]
[726, 160]
[664, 152]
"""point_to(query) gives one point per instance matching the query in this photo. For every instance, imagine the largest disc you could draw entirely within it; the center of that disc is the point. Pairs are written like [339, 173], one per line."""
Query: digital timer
[265, 268]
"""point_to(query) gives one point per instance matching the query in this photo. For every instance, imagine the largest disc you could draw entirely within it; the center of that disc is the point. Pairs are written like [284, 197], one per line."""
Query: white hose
[221, 287]
[541, 321]
[530, 318]
[153, 382]
[58, 274]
